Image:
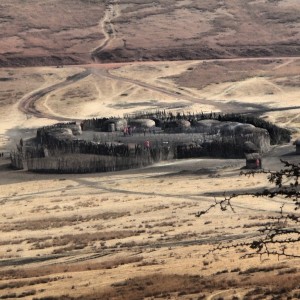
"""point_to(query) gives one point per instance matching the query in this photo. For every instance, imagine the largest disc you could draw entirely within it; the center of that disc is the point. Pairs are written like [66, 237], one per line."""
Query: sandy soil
[17, 84]
[267, 87]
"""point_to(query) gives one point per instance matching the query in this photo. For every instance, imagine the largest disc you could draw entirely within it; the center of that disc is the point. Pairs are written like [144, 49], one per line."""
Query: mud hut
[182, 124]
[250, 147]
[253, 161]
[73, 126]
[76, 129]
[61, 133]
[177, 126]
[297, 144]
[207, 126]
[117, 124]
[142, 123]
[247, 132]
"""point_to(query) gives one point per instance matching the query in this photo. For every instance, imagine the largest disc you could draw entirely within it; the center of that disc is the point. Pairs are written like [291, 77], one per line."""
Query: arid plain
[134, 234]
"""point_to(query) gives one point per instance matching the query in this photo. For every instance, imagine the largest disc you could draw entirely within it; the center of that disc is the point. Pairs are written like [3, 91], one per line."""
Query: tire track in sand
[225, 107]
[28, 103]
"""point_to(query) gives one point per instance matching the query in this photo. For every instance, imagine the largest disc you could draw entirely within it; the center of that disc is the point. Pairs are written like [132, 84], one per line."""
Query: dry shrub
[21, 295]
[157, 285]
[162, 286]
[121, 261]
[19, 284]
[165, 224]
[64, 297]
[82, 240]
[66, 268]
[60, 222]
[152, 286]
[262, 269]
[288, 271]
[153, 262]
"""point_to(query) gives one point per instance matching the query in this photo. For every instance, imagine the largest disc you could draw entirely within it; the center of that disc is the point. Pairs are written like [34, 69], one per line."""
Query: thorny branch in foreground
[281, 235]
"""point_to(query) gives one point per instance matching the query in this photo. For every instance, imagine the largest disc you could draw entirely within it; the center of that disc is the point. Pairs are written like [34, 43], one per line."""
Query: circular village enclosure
[112, 144]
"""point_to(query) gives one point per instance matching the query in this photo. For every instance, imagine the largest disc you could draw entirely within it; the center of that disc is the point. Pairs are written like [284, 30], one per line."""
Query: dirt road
[107, 27]
[27, 103]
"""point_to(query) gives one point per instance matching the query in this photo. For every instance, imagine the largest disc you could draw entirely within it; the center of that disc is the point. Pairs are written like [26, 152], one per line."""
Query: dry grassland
[134, 234]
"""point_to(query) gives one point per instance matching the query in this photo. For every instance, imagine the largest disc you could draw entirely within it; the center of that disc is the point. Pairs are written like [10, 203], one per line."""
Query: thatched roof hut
[207, 126]
[245, 129]
[66, 129]
[253, 161]
[142, 123]
[297, 143]
[230, 128]
[177, 125]
[183, 124]
[206, 123]
[247, 132]
[76, 129]
[250, 147]
[61, 133]
[115, 124]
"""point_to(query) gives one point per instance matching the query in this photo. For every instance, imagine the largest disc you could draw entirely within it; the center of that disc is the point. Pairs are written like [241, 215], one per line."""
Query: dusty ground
[85, 235]
[268, 87]
[42, 32]
[134, 234]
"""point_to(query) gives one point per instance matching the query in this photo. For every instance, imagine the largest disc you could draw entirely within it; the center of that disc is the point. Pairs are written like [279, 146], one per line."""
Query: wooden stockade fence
[57, 148]
[277, 134]
[79, 156]
[87, 163]
[16, 160]
[223, 148]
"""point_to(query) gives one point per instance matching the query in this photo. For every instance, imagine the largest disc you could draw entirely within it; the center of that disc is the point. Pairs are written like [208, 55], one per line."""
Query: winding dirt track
[27, 103]
[228, 107]
[107, 27]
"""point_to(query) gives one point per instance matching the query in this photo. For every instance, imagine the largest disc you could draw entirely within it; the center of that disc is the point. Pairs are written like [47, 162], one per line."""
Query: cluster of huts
[61, 147]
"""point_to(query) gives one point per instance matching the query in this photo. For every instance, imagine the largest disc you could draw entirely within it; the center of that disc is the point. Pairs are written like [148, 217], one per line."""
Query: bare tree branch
[283, 232]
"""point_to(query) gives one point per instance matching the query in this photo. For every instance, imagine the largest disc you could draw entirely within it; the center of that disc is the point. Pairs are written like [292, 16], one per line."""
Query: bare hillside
[49, 32]
[52, 32]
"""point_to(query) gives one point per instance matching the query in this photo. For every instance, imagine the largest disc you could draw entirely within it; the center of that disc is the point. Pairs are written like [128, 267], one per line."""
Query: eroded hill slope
[42, 32]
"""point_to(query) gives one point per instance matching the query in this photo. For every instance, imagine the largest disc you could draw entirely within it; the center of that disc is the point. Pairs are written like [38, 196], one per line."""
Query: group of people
[128, 131]
[1, 154]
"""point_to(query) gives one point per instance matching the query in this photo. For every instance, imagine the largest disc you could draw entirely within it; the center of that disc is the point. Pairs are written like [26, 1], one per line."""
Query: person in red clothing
[147, 145]
[257, 163]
